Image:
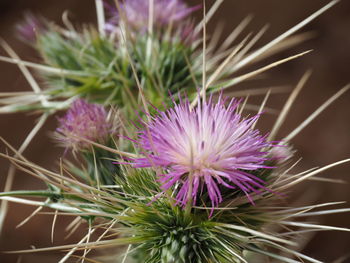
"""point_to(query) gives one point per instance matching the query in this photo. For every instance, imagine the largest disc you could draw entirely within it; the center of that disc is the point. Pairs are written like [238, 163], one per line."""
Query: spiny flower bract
[204, 147]
[84, 121]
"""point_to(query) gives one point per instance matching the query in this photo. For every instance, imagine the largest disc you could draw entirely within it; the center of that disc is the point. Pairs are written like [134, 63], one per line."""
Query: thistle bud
[85, 122]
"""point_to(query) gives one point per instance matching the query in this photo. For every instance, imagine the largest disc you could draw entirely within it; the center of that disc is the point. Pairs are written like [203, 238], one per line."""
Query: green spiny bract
[100, 167]
[162, 232]
[166, 235]
[100, 69]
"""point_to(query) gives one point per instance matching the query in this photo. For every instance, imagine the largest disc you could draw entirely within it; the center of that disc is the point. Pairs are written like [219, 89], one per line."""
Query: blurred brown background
[325, 141]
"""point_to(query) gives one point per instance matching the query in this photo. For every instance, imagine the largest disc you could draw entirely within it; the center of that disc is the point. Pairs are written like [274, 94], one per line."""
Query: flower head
[30, 27]
[165, 13]
[204, 147]
[84, 121]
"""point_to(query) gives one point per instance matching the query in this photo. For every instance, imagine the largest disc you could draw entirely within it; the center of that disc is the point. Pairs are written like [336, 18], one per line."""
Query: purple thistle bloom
[30, 27]
[207, 146]
[136, 14]
[84, 121]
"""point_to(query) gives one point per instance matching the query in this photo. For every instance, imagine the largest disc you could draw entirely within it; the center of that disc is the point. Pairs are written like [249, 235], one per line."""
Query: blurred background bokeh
[325, 141]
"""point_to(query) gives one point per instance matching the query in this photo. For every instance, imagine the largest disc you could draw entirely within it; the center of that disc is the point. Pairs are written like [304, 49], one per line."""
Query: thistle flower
[136, 14]
[84, 121]
[207, 146]
[30, 27]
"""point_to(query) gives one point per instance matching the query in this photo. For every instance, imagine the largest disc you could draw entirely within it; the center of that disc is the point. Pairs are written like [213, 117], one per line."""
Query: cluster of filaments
[204, 147]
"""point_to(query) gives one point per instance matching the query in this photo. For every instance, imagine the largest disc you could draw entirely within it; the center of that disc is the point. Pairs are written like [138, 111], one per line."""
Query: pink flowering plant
[155, 153]
[204, 147]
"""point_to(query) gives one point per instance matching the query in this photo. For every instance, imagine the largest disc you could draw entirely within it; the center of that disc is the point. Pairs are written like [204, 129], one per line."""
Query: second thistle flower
[85, 121]
[166, 14]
